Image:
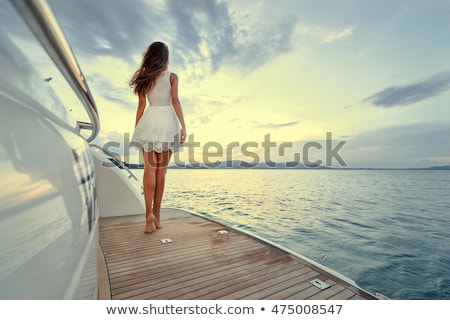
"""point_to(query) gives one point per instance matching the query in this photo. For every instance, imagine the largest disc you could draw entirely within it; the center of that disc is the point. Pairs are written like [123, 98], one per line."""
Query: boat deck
[203, 262]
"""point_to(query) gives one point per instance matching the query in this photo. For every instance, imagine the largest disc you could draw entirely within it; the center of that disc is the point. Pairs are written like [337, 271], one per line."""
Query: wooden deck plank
[343, 295]
[180, 281]
[285, 292]
[264, 285]
[328, 293]
[234, 282]
[160, 261]
[251, 280]
[241, 274]
[300, 276]
[201, 263]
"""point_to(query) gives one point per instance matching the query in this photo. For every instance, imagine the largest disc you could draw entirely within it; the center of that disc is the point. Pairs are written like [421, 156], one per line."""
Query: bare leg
[149, 189]
[162, 163]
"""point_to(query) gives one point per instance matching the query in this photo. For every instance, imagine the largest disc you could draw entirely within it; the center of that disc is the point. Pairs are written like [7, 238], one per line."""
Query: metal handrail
[109, 154]
[40, 19]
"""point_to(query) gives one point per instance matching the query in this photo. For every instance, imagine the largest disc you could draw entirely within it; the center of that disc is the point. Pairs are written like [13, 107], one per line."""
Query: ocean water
[388, 230]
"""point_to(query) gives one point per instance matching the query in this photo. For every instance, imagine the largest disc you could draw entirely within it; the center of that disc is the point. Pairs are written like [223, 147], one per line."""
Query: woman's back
[160, 95]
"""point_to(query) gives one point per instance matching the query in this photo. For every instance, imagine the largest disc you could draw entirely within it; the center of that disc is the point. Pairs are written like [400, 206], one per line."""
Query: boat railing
[41, 21]
[115, 162]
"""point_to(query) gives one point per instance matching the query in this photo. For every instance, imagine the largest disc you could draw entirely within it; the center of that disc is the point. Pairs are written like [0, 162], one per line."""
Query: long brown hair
[153, 64]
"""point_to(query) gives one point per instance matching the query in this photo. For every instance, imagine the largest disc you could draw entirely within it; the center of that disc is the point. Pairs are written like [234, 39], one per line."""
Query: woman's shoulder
[171, 73]
[172, 76]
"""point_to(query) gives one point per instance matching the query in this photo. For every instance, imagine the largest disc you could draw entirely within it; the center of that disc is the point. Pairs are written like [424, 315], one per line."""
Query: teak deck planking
[201, 263]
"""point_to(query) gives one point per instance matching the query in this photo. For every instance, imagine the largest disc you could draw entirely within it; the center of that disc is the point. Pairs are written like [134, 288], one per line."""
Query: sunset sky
[375, 74]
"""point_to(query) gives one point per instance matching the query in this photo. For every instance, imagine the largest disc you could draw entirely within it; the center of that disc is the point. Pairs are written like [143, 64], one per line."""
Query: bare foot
[158, 220]
[150, 224]
[158, 224]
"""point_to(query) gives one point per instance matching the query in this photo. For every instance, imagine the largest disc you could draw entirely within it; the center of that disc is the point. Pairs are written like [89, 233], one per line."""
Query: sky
[372, 75]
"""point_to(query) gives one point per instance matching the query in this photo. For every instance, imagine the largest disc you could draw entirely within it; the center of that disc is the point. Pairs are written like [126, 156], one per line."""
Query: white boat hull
[48, 199]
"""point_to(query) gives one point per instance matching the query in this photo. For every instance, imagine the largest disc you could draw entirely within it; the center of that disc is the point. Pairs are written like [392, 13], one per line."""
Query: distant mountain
[439, 168]
[237, 164]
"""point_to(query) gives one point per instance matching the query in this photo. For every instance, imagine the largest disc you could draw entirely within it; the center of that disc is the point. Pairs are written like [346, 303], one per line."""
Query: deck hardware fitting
[319, 284]
[222, 231]
[164, 241]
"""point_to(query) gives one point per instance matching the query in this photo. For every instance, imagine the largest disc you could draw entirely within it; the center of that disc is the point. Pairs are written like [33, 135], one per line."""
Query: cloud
[406, 135]
[203, 108]
[102, 86]
[203, 35]
[111, 28]
[412, 93]
[338, 35]
[412, 145]
[204, 99]
[203, 30]
[277, 125]
[207, 32]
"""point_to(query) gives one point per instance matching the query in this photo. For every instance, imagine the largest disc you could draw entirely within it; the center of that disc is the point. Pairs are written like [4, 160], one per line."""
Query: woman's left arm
[177, 105]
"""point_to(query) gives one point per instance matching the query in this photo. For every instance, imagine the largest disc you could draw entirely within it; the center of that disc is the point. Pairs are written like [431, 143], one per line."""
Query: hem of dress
[156, 146]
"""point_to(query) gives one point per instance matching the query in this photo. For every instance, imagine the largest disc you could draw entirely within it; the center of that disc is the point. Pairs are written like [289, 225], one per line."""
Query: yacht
[71, 219]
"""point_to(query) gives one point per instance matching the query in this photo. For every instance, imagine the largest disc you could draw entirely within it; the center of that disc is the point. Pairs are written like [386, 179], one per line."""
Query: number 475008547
[307, 309]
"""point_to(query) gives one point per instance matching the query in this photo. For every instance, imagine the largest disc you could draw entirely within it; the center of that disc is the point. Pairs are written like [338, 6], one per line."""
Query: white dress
[159, 128]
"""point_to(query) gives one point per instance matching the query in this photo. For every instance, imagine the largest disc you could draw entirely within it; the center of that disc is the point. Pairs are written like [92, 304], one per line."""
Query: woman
[158, 126]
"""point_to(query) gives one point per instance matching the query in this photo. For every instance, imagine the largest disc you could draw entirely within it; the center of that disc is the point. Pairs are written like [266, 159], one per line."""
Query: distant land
[267, 166]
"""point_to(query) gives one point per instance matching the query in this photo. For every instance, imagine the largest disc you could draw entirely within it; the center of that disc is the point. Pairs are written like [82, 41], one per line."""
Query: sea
[388, 230]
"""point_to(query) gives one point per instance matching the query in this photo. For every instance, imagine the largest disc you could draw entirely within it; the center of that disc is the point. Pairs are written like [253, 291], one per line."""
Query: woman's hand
[182, 135]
